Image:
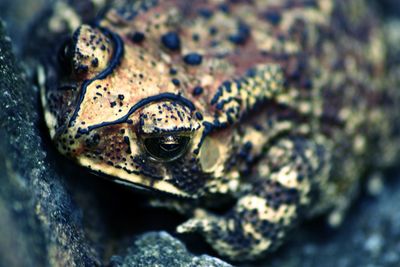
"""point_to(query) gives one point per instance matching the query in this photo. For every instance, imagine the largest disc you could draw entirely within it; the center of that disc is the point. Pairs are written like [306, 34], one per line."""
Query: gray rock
[161, 249]
[39, 224]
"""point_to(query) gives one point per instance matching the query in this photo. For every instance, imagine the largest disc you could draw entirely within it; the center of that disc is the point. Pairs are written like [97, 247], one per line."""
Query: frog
[277, 108]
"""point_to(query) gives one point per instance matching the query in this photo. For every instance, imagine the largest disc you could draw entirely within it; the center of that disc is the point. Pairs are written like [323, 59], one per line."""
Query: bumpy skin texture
[275, 106]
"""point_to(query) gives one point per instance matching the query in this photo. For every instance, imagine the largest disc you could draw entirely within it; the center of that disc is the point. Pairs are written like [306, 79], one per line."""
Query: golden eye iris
[166, 147]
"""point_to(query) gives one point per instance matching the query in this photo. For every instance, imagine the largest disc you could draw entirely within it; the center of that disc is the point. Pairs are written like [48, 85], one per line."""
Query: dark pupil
[167, 148]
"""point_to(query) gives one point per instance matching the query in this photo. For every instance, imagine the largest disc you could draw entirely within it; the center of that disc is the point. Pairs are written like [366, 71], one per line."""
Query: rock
[161, 249]
[39, 224]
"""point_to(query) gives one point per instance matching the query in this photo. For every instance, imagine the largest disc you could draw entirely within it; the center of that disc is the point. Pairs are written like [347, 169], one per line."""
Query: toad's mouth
[135, 180]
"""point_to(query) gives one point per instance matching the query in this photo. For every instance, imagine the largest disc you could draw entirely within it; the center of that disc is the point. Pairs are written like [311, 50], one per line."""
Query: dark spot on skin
[173, 71]
[82, 69]
[258, 127]
[307, 84]
[121, 97]
[251, 72]
[113, 104]
[199, 116]
[93, 141]
[176, 82]
[193, 59]
[198, 90]
[214, 44]
[242, 35]
[95, 63]
[126, 140]
[171, 41]
[227, 85]
[274, 17]
[248, 146]
[205, 13]
[213, 30]
[224, 8]
[137, 37]
[196, 37]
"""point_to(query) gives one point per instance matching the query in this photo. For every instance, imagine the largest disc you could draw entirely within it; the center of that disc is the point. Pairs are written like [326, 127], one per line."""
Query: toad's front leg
[281, 192]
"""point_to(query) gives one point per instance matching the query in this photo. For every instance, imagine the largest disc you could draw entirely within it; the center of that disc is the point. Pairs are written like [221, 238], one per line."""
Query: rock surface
[53, 213]
[39, 224]
[161, 249]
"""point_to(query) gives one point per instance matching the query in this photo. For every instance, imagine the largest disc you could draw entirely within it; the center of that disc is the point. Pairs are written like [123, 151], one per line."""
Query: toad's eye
[167, 147]
[65, 54]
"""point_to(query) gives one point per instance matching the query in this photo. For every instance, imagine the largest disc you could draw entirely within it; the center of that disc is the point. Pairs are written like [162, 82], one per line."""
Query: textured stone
[161, 249]
[39, 224]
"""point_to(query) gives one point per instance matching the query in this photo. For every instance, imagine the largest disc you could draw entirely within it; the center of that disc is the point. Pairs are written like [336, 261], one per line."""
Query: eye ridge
[166, 147]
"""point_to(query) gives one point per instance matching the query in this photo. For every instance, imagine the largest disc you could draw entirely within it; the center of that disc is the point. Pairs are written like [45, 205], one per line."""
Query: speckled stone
[161, 249]
[39, 224]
